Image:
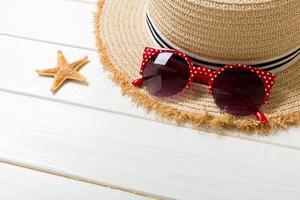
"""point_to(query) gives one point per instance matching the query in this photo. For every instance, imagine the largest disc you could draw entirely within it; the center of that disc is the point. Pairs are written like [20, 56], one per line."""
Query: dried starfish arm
[61, 60]
[78, 64]
[75, 76]
[58, 82]
[47, 72]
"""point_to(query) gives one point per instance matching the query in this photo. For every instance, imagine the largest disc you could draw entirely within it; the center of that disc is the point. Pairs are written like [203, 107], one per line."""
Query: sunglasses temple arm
[138, 82]
[260, 116]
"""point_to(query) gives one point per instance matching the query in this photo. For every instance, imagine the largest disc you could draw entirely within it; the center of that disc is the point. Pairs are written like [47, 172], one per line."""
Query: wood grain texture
[59, 21]
[17, 183]
[143, 156]
[99, 93]
[93, 134]
[62, 30]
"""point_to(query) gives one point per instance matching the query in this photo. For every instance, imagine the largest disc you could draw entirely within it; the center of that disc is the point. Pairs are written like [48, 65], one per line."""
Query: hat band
[275, 64]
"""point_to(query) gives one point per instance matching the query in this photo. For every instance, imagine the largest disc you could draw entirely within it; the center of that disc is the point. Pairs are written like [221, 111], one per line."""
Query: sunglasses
[239, 90]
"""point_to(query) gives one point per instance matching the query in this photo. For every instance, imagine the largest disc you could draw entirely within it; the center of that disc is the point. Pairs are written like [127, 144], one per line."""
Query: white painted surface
[43, 32]
[93, 134]
[141, 155]
[21, 183]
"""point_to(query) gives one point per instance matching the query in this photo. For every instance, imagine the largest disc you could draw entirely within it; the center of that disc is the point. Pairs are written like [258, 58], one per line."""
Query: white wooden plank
[23, 57]
[59, 21]
[17, 183]
[143, 155]
[21, 60]
[85, 1]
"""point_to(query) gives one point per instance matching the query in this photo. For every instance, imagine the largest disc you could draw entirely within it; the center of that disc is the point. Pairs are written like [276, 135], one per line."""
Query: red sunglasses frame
[206, 76]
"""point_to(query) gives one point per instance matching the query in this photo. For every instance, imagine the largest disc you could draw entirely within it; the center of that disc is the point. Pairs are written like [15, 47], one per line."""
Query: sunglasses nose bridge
[201, 75]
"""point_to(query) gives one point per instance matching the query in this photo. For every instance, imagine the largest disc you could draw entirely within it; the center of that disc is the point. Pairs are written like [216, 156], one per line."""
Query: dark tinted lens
[234, 91]
[166, 74]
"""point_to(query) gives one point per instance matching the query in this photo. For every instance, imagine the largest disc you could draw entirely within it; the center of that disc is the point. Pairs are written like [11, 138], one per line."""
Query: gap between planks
[93, 2]
[91, 107]
[136, 117]
[85, 180]
[24, 183]
[47, 42]
[235, 135]
[182, 167]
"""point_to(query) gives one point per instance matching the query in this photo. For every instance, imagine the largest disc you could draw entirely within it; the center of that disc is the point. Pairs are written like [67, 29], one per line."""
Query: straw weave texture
[229, 32]
[121, 36]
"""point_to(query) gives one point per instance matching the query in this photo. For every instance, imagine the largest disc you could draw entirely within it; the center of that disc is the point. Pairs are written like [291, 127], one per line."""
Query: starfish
[64, 71]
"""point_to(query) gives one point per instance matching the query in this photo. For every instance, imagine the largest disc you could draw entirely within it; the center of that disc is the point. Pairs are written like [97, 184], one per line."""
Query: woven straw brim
[121, 36]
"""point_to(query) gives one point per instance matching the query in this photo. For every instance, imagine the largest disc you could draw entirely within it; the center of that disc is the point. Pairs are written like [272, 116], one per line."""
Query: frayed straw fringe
[205, 120]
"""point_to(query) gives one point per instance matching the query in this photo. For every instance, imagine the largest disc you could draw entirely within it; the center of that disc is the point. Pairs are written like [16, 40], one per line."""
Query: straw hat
[262, 33]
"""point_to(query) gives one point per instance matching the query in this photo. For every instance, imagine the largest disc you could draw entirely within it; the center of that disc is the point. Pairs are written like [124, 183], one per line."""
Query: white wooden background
[89, 142]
